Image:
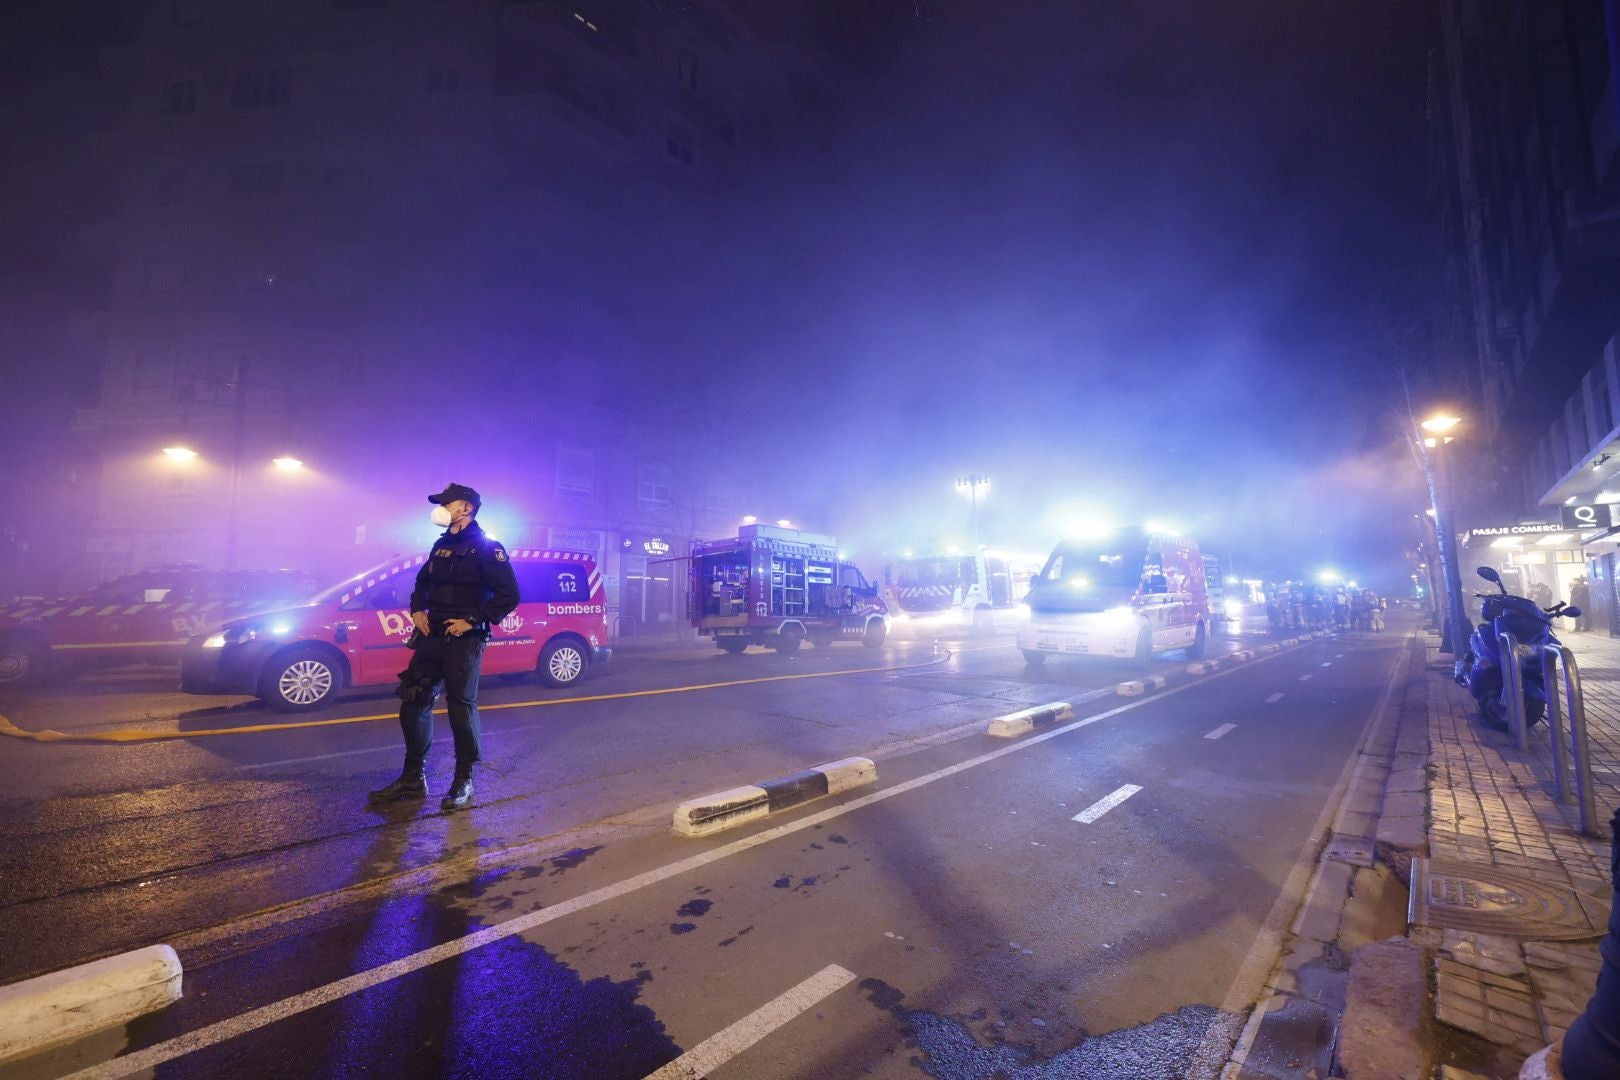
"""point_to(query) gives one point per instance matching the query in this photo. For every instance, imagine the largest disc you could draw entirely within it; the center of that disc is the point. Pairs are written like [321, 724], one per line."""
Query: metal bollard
[1580, 750]
[1555, 722]
[1513, 688]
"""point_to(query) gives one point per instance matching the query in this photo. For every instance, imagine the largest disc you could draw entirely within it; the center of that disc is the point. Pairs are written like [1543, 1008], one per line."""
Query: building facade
[364, 247]
[1526, 129]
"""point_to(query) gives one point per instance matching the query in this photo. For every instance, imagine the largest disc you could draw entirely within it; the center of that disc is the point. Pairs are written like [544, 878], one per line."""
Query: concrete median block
[736, 806]
[1027, 720]
[1155, 682]
[1130, 689]
[58, 1008]
[1268, 649]
[1202, 667]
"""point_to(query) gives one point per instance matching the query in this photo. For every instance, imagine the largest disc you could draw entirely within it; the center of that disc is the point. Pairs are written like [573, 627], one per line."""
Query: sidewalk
[1501, 996]
[1496, 954]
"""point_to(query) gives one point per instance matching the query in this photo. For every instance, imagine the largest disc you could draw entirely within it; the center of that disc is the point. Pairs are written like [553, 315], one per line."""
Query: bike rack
[1579, 747]
[1513, 688]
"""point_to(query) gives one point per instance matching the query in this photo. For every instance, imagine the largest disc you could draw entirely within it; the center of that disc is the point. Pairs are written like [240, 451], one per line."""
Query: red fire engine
[780, 587]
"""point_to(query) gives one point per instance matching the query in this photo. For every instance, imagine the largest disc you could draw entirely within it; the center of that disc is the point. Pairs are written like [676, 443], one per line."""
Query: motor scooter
[1480, 669]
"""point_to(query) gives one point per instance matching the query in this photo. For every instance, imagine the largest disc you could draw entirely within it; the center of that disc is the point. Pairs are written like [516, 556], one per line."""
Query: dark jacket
[466, 576]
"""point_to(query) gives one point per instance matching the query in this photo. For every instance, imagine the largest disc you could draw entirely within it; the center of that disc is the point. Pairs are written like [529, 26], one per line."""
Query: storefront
[1543, 560]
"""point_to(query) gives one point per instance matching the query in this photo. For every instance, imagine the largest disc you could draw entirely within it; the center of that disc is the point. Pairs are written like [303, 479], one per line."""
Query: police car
[142, 618]
[356, 634]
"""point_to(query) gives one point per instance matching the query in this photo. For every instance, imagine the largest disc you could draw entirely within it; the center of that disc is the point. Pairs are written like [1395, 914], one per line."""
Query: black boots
[460, 793]
[410, 785]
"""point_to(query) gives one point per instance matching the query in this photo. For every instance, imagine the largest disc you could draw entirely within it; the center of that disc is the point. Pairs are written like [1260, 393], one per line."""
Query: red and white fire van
[355, 634]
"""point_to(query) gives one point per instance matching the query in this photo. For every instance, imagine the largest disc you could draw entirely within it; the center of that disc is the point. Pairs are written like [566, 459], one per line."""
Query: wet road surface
[1073, 904]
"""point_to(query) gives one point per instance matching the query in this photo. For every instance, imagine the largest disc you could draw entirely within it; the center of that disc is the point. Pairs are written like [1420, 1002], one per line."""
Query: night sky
[1135, 260]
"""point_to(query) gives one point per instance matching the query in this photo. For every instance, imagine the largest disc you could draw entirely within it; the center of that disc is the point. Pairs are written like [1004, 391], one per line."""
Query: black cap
[452, 492]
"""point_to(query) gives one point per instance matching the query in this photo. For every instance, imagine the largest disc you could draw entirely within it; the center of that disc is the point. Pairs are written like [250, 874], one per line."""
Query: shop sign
[1524, 529]
[655, 546]
[1589, 516]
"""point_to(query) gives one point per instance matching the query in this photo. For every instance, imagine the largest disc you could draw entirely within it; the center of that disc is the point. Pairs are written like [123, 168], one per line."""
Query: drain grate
[1449, 895]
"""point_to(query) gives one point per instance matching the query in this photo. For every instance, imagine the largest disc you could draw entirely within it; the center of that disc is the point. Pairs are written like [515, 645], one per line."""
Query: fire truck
[957, 592]
[779, 588]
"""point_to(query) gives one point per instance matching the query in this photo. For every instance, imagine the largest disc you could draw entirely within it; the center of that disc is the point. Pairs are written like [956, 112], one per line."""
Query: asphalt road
[955, 918]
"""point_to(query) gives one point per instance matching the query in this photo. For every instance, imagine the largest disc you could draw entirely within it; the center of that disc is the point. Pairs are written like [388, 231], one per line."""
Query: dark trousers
[453, 662]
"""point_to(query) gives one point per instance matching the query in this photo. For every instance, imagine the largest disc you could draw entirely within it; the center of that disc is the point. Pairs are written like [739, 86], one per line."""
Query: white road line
[1306, 678]
[253, 1019]
[1106, 803]
[720, 1048]
[1327, 663]
[1274, 698]
[1222, 730]
[317, 757]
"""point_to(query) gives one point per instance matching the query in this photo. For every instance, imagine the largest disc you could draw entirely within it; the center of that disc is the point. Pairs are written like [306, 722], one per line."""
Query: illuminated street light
[1440, 423]
[1328, 577]
[287, 464]
[784, 523]
[973, 484]
[179, 453]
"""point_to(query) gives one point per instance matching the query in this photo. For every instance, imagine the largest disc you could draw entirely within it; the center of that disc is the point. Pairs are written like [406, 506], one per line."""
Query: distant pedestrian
[1580, 595]
[465, 586]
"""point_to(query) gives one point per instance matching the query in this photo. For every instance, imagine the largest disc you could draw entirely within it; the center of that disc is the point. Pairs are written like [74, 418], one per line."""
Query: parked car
[142, 618]
[356, 634]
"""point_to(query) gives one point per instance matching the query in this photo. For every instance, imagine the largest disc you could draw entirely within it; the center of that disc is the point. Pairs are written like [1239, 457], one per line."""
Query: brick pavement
[1490, 803]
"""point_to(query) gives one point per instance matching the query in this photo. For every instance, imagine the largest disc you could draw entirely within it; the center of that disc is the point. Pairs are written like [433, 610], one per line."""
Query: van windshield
[1091, 575]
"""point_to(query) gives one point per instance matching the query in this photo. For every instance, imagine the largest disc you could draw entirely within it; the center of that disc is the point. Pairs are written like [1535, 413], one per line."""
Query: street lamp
[287, 463]
[1437, 471]
[179, 453]
[973, 484]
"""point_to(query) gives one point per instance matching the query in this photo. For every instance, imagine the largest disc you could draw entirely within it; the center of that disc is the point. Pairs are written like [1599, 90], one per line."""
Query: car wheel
[1033, 658]
[984, 623]
[1144, 648]
[732, 645]
[301, 681]
[787, 642]
[822, 641]
[877, 631]
[563, 663]
[21, 662]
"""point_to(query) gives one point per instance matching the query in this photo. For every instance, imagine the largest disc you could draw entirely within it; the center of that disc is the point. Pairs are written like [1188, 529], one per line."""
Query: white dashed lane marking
[720, 1048]
[1274, 698]
[1107, 803]
[1327, 663]
[1222, 730]
[1302, 678]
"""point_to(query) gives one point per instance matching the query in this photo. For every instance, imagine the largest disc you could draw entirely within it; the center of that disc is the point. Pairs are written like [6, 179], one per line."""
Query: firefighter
[465, 586]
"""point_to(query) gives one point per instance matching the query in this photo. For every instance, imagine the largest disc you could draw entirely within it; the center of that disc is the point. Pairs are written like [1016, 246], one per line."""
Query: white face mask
[442, 517]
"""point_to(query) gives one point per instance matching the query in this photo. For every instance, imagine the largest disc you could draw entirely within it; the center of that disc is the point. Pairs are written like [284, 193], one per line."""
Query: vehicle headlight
[214, 641]
[233, 635]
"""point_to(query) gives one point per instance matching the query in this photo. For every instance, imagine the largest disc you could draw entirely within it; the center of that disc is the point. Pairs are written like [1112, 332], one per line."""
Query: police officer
[465, 587]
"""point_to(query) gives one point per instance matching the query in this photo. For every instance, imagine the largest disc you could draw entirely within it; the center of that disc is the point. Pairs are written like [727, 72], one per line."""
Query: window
[265, 88]
[153, 371]
[171, 188]
[686, 73]
[575, 472]
[257, 179]
[553, 582]
[678, 143]
[1604, 408]
[655, 488]
[180, 97]
[443, 80]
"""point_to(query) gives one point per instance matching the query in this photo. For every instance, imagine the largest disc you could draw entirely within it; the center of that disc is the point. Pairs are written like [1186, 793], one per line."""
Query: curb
[1202, 667]
[49, 1010]
[1138, 687]
[1027, 720]
[1269, 648]
[723, 810]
